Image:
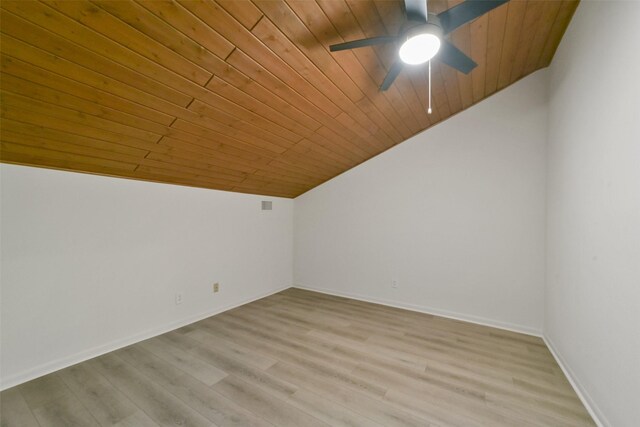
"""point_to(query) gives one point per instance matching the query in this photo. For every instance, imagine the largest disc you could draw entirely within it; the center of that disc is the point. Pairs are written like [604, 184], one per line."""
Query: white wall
[91, 263]
[456, 214]
[593, 282]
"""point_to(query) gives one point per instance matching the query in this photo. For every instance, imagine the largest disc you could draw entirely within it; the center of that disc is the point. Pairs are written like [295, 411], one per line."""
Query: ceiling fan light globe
[419, 49]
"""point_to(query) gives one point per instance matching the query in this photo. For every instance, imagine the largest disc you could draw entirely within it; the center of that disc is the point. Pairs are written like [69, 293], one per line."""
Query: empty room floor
[301, 358]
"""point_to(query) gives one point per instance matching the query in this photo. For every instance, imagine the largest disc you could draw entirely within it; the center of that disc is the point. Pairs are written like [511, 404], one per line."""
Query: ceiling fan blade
[362, 43]
[391, 75]
[416, 10]
[464, 12]
[455, 58]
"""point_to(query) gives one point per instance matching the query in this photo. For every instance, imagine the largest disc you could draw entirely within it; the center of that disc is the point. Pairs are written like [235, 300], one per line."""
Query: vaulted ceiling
[238, 95]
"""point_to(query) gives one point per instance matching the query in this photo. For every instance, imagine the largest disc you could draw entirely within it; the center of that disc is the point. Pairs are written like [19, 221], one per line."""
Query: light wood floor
[306, 359]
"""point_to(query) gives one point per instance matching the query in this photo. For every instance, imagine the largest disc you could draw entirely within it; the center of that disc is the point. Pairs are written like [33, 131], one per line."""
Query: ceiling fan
[422, 37]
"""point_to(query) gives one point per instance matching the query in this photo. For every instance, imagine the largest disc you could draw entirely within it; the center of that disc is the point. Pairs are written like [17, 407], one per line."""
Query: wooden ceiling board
[238, 95]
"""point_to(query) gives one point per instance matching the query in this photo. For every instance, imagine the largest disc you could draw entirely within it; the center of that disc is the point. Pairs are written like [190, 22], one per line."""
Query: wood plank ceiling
[238, 95]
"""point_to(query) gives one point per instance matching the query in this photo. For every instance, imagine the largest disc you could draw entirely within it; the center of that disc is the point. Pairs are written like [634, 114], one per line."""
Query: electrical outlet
[216, 287]
[178, 298]
[394, 283]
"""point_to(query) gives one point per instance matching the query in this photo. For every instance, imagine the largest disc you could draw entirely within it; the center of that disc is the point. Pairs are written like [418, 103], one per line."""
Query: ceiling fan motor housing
[413, 28]
[420, 42]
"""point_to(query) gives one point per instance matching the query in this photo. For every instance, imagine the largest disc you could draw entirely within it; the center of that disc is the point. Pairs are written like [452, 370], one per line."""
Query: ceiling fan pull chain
[429, 109]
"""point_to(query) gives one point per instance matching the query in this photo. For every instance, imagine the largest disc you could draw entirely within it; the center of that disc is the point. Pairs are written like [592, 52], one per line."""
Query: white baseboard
[587, 401]
[434, 311]
[67, 361]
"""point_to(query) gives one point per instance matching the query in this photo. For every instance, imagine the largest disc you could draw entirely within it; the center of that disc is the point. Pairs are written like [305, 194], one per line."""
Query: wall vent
[267, 205]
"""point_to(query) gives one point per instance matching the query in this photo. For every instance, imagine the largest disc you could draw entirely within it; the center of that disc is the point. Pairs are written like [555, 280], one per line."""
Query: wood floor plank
[139, 419]
[287, 348]
[158, 403]
[245, 372]
[44, 389]
[194, 393]
[264, 404]
[301, 358]
[328, 411]
[377, 410]
[14, 411]
[64, 411]
[107, 405]
[181, 359]
[441, 412]
[227, 353]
